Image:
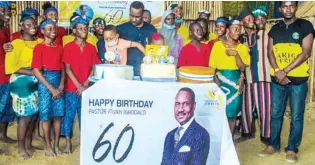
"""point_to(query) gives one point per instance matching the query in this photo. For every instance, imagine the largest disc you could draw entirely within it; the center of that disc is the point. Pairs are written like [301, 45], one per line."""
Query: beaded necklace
[31, 47]
[255, 41]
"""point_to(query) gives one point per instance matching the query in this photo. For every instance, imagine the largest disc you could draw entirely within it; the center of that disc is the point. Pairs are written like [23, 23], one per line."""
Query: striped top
[259, 68]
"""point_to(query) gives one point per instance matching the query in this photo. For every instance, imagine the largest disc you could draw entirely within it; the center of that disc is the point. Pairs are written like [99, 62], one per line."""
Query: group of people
[43, 71]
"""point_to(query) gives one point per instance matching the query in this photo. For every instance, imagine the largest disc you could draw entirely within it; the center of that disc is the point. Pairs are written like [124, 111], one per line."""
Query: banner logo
[214, 98]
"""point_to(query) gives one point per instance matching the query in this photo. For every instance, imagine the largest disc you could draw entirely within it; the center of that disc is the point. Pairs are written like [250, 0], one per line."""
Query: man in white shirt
[189, 143]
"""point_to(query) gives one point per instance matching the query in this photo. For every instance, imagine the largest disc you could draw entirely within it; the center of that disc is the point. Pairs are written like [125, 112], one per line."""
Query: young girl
[48, 69]
[194, 53]
[30, 12]
[117, 45]
[79, 58]
[229, 58]
[168, 31]
[50, 12]
[204, 24]
[221, 24]
[24, 84]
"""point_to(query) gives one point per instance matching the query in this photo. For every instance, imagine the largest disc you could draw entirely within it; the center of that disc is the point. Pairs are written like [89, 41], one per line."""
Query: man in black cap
[256, 100]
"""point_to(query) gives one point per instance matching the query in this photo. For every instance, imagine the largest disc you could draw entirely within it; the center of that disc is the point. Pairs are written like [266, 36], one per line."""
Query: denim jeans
[279, 95]
[73, 107]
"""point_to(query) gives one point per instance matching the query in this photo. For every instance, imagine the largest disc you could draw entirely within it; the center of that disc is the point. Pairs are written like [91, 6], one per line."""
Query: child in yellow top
[23, 85]
[229, 59]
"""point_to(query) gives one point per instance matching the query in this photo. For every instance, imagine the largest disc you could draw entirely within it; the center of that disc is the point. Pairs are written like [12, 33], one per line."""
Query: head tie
[29, 11]
[50, 9]
[45, 22]
[260, 11]
[5, 4]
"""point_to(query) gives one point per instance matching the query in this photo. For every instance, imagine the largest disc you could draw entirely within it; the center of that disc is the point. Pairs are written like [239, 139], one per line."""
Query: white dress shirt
[185, 126]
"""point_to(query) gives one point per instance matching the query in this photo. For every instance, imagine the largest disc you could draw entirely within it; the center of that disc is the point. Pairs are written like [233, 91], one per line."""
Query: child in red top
[194, 53]
[79, 58]
[49, 70]
[6, 110]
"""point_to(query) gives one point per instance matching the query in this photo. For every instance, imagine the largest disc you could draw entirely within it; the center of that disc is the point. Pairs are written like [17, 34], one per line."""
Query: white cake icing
[158, 70]
[113, 72]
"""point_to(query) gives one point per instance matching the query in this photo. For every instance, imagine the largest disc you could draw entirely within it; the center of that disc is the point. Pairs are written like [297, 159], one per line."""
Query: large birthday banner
[136, 123]
[114, 12]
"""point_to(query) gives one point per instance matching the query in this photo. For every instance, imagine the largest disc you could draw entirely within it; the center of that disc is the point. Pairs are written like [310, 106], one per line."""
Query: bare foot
[34, 149]
[6, 139]
[38, 138]
[58, 151]
[68, 149]
[50, 153]
[25, 155]
[3, 152]
[11, 124]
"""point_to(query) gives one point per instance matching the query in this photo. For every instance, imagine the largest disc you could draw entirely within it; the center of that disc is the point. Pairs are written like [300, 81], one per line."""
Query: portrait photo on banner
[134, 122]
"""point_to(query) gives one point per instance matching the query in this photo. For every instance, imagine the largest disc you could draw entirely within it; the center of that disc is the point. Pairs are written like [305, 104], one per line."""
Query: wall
[20, 5]
[191, 8]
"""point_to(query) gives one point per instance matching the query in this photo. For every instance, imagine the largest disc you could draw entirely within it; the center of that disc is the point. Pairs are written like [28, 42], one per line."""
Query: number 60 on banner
[101, 143]
[113, 16]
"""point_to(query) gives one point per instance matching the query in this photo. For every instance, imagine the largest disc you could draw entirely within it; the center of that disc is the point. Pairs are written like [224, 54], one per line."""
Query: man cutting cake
[135, 30]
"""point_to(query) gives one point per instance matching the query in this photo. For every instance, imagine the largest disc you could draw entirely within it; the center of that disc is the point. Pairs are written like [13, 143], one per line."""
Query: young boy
[79, 58]
[98, 26]
[49, 70]
[194, 53]
[112, 42]
[92, 39]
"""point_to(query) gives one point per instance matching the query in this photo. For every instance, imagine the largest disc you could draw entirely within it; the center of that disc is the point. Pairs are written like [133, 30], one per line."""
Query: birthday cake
[158, 69]
[195, 74]
[158, 72]
[112, 72]
[157, 66]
